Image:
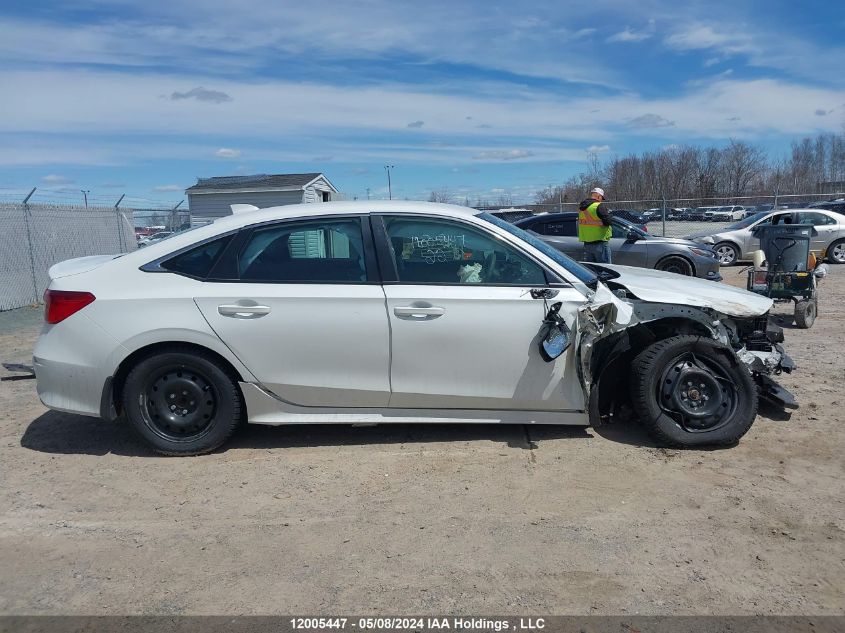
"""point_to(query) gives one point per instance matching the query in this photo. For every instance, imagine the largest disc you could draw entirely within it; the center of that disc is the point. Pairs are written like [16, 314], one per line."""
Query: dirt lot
[421, 519]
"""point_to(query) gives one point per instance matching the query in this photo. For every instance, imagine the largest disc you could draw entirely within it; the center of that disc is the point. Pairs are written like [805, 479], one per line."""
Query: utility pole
[368, 193]
[85, 193]
[389, 186]
[174, 215]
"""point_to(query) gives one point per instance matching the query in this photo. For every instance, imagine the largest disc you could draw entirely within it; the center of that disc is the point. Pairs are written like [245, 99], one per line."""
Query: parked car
[697, 214]
[629, 246]
[678, 213]
[634, 217]
[736, 241]
[155, 237]
[837, 206]
[386, 312]
[725, 214]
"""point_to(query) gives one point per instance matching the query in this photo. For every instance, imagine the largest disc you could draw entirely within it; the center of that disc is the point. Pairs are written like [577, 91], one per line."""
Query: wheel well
[126, 365]
[677, 256]
[612, 358]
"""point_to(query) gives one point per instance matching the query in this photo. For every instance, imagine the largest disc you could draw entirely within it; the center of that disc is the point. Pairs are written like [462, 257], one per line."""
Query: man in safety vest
[594, 228]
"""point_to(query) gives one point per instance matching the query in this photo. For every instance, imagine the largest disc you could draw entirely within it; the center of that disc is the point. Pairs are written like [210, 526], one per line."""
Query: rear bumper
[68, 387]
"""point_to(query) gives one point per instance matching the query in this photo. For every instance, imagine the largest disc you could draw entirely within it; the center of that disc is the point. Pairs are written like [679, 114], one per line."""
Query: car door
[827, 229]
[303, 309]
[563, 235]
[633, 253]
[464, 325]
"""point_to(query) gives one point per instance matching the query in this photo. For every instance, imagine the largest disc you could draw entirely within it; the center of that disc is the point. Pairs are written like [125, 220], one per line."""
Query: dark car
[630, 246]
[837, 206]
[634, 217]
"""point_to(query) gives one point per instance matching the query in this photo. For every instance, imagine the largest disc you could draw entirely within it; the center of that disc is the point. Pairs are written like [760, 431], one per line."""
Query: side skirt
[263, 408]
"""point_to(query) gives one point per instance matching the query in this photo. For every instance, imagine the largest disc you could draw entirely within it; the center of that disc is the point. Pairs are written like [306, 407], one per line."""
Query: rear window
[198, 261]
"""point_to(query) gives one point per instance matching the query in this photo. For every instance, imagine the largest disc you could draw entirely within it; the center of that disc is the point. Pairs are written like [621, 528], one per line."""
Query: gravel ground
[415, 519]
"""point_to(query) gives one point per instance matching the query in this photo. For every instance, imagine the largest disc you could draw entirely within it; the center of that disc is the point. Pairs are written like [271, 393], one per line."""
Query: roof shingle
[270, 181]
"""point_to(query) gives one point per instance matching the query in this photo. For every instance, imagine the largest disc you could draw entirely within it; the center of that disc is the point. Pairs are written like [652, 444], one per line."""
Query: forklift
[785, 269]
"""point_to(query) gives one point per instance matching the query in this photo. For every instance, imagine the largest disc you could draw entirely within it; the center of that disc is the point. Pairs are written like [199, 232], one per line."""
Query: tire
[805, 313]
[727, 253]
[676, 264]
[836, 252]
[672, 406]
[182, 402]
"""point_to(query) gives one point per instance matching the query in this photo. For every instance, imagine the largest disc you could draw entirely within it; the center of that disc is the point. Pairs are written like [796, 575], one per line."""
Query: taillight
[60, 304]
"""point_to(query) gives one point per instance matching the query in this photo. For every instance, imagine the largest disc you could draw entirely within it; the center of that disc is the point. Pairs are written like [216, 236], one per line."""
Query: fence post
[117, 219]
[29, 246]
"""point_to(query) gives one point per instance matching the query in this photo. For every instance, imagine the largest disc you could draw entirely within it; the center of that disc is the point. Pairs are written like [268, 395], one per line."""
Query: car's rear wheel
[182, 402]
[727, 253]
[836, 252]
[675, 264]
[689, 391]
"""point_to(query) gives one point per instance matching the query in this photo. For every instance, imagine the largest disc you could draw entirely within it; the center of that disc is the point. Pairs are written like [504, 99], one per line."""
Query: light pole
[85, 193]
[368, 193]
[389, 186]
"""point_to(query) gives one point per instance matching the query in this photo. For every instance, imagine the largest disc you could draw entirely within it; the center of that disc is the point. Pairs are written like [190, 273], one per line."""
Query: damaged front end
[615, 325]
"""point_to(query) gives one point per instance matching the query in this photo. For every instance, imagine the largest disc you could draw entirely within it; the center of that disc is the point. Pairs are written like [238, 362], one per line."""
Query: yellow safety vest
[590, 226]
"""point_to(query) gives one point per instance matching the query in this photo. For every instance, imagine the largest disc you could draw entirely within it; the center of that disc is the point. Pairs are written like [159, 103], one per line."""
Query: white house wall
[215, 205]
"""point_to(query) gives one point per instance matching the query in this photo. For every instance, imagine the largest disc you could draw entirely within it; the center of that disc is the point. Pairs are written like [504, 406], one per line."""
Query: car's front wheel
[689, 391]
[727, 253]
[675, 264]
[182, 402]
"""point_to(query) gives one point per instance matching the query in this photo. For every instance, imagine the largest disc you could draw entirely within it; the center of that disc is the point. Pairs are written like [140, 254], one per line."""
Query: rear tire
[675, 264]
[727, 253]
[805, 313]
[182, 402]
[836, 252]
[690, 391]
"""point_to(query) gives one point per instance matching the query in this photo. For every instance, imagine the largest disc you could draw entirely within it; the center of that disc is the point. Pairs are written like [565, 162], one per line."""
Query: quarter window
[322, 251]
[563, 228]
[198, 261]
[439, 251]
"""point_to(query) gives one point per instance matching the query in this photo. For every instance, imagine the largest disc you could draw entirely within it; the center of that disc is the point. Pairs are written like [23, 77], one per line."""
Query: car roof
[317, 209]
[548, 217]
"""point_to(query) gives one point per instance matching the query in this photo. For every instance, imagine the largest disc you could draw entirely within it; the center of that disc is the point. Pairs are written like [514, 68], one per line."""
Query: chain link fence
[677, 217]
[33, 237]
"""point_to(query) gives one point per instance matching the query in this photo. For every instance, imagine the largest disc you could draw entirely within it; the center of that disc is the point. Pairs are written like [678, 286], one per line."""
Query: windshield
[751, 219]
[584, 275]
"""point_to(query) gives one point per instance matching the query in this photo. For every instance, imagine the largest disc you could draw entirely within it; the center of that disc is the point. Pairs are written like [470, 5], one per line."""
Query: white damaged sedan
[383, 312]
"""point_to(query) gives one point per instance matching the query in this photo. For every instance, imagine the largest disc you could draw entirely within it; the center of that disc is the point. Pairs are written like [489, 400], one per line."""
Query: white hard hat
[599, 191]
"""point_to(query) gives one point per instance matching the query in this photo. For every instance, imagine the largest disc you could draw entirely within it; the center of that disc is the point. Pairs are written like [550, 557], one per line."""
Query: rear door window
[198, 261]
[316, 251]
[562, 228]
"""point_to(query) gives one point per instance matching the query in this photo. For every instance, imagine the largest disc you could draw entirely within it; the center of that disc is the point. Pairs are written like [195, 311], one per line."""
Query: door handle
[243, 312]
[413, 311]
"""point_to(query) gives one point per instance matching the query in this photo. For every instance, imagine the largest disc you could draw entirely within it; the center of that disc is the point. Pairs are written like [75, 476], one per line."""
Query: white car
[381, 312]
[155, 237]
[725, 214]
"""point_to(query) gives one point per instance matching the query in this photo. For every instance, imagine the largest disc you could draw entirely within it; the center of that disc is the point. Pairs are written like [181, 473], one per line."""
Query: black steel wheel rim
[677, 267]
[178, 403]
[697, 394]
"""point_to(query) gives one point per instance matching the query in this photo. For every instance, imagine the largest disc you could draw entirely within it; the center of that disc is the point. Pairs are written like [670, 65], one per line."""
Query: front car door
[633, 253]
[464, 325]
[300, 304]
[827, 229]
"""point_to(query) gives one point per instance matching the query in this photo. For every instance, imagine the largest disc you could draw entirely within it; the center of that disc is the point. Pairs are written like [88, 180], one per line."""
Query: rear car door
[464, 325]
[563, 235]
[299, 302]
[827, 229]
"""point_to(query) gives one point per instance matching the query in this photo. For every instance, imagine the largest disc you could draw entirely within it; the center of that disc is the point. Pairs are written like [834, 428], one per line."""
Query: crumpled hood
[78, 265]
[671, 240]
[700, 234]
[662, 287]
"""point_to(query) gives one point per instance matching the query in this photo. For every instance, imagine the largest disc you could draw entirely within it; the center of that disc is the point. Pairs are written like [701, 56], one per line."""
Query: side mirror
[554, 335]
[632, 237]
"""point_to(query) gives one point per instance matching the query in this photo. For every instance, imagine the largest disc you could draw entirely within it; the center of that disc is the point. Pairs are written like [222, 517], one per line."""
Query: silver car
[736, 241]
[630, 246]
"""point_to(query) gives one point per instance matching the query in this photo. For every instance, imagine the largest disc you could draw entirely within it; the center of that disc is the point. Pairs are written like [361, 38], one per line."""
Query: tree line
[815, 165]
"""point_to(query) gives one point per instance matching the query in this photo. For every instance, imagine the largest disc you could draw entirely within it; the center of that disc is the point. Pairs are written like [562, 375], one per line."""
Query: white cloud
[598, 149]
[165, 188]
[55, 179]
[501, 154]
[649, 121]
[629, 35]
[227, 153]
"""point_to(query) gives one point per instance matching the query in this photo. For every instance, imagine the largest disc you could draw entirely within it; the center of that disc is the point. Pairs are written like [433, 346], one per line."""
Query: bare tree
[440, 195]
